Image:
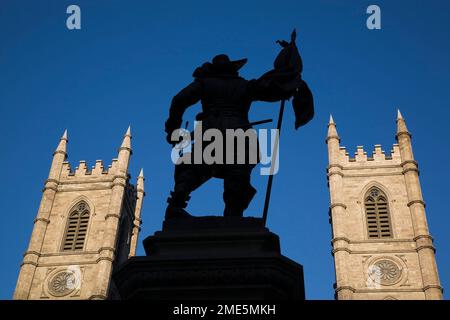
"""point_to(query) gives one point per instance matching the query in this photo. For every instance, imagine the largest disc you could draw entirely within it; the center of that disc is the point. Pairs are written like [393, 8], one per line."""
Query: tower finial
[331, 119]
[62, 145]
[126, 142]
[140, 181]
[332, 131]
[64, 136]
[401, 124]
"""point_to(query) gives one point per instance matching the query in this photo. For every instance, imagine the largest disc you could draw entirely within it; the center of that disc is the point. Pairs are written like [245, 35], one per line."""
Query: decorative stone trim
[340, 288]
[335, 165]
[340, 249]
[29, 262]
[51, 180]
[337, 204]
[381, 174]
[385, 271]
[332, 137]
[386, 290]
[126, 149]
[335, 172]
[67, 253]
[112, 215]
[118, 183]
[416, 201]
[59, 151]
[340, 239]
[426, 247]
[380, 251]
[403, 132]
[424, 236]
[411, 169]
[414, 162]
[26, 253]
[106, 249]
[49, 188]
[97, 297]
[47, 221]
[120, 176]
[105, 258]
[433, 286]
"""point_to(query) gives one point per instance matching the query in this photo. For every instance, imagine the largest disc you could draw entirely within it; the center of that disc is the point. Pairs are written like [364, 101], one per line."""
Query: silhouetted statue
[226, 98]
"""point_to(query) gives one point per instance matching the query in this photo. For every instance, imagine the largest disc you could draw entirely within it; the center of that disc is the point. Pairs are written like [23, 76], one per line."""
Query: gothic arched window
[377, 214]
[76, 229]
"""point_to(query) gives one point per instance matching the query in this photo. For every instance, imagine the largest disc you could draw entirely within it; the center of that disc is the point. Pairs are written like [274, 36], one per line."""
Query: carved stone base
[211, 258]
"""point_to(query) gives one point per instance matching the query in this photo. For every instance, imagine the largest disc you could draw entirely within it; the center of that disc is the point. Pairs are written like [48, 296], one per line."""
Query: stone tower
[88, 222]
[381, 244]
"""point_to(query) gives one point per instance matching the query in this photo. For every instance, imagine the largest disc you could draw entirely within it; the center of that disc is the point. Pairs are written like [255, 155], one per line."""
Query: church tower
[87, 223]
[381, 244]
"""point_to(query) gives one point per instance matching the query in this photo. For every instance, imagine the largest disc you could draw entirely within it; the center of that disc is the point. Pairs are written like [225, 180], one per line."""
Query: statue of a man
[226, 98]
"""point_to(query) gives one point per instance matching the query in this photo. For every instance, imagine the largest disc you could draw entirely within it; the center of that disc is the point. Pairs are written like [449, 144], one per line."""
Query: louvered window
[76, 230]
[377, 214]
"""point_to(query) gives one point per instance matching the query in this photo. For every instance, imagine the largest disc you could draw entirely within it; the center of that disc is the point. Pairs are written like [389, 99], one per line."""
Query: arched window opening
[76, 229]
[377, 214]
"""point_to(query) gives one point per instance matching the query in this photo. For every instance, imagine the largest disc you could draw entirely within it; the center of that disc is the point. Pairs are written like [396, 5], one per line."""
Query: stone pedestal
[211, 258]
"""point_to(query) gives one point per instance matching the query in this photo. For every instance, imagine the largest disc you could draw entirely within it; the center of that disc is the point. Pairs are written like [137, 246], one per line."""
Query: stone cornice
[402, 133]
[433, 286]
[335, 172]
[59, 152]
[337, 204]
[26, 253]
[340, 249]
[112, 215]
[105, 258]
[424, 236]
[416, 201]
[106, 249]
[332, 137]
[97, 297]
[335, 165]
[340, 288]
[340, 239]
[411, 169]
[414, 162]
[426, 247]
[47, 221]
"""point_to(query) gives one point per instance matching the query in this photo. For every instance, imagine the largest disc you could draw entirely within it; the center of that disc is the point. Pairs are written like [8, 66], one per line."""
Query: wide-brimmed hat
[220, 65]
[222, 62]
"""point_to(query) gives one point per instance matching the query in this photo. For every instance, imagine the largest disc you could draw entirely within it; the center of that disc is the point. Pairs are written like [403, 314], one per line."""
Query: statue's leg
[188, 177]
[238, 192]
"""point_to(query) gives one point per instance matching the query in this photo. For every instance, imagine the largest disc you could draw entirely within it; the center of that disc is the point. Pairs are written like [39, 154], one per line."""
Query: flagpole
[274, 161]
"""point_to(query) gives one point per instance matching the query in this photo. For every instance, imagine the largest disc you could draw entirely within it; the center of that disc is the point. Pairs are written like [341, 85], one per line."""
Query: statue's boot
[177, 202]
[236, 201]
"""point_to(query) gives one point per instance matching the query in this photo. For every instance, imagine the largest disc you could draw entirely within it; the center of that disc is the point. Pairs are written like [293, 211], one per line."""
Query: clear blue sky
[131, 57]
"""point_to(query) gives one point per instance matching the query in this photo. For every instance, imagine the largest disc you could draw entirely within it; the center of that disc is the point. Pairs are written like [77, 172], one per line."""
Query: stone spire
[401, 125]
[137, 213]
[126, 143]
[416, 205]
[333, 142]
[59, 156]
[332, 132]
[125, 151]
[62, 146]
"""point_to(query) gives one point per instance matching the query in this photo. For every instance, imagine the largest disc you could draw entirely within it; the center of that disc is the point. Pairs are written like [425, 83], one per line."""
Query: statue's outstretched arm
[184, 99]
